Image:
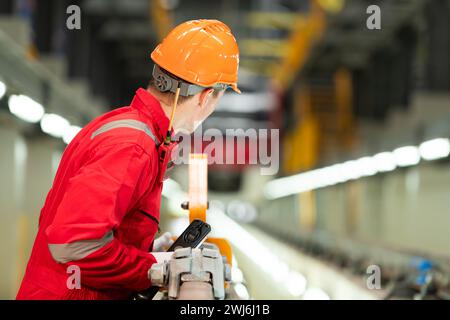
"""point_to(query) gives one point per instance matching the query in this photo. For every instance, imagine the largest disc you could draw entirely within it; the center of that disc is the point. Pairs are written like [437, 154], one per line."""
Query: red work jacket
[102, 212]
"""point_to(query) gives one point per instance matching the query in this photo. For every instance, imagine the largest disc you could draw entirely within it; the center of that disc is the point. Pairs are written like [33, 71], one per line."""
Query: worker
[97, 227]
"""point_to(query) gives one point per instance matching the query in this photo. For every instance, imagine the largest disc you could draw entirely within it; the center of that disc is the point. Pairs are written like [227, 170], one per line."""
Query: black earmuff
[163, 82]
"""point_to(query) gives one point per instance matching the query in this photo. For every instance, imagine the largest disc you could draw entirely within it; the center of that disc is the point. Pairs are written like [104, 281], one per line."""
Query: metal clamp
[193, 266]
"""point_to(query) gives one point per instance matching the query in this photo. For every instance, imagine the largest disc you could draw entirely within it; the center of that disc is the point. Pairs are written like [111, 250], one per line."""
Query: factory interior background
[355, 96]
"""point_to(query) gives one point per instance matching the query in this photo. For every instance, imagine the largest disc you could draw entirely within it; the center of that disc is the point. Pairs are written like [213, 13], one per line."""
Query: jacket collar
[151, 108]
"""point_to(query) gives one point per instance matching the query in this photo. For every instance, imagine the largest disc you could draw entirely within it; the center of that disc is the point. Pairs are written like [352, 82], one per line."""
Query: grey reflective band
[165, 82]
[125, 123]
[67, 252]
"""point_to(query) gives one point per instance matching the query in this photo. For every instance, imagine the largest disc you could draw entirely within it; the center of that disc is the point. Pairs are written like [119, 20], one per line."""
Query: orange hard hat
[202, 52]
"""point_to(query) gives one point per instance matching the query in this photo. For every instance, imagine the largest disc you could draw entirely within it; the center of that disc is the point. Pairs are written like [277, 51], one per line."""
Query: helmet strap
[172, 116]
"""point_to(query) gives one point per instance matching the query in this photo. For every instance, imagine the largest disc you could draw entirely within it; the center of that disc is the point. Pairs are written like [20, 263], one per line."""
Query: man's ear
[204, 97]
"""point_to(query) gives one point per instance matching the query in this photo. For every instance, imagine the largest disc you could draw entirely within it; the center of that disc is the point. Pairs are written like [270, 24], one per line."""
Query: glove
[163, 242]
[162, 257]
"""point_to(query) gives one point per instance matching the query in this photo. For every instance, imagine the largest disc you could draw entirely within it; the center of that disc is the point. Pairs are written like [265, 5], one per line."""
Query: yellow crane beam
[305, 34]
[161, 18]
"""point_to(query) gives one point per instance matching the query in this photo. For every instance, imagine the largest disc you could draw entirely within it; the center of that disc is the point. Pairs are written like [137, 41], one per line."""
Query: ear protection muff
[166, 82]
[163, 82]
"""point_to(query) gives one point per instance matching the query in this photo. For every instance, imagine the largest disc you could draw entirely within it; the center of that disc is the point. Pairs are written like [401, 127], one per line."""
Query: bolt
[157, 274]
[185, 205]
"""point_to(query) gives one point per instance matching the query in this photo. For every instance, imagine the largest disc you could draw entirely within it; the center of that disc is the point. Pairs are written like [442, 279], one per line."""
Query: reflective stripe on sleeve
[67, 252]
[125, 123]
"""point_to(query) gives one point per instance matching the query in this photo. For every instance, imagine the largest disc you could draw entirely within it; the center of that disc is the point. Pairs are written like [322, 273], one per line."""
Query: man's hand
[163, 242]
[162, 257]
